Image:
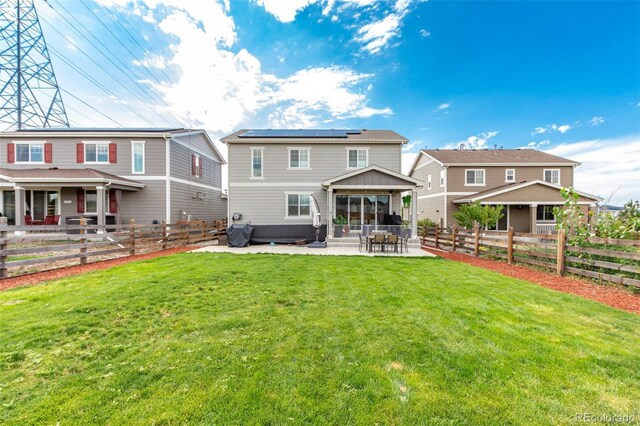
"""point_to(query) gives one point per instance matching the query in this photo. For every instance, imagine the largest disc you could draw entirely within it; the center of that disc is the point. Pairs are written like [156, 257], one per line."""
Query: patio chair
[392, 241]
[363, 242]
[28, 220]
[50, 220]
[404, 244]
[378, 240]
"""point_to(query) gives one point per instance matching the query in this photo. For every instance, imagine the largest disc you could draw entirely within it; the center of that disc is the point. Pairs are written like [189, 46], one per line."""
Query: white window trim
[298, 148]
[251, 149]
[96, 143]
[15, 151]
[286, 205]
[429, 182]
[198, 159]
[484, 177]
[133, 158]
[358, 148]
[506, 175]
[544, 173]
[442, 177]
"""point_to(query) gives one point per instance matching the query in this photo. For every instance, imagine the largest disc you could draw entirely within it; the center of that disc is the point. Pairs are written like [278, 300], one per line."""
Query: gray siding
[197, 142]
[430, 201]
[495, 176]
[181, 166]
[183, 198]
[372, 177]
[64, 154]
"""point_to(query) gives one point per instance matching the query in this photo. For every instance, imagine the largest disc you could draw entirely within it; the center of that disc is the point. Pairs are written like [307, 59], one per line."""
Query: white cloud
[286, 11]
[596, 121]
[376, 35]
[479, 141]
[407, 160]
[219, 88]
[563, 128]
[536, 145]
[608, 166]
[424, 33]
[539, 131]
[410, 145]
[444, 106]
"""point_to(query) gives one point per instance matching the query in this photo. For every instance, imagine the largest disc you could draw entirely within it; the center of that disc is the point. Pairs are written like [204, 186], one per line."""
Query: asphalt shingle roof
[365, 135]
[495, 156]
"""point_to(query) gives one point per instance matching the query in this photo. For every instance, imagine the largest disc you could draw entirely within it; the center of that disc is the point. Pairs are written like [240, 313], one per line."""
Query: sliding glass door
[40, 204]
[362, 209]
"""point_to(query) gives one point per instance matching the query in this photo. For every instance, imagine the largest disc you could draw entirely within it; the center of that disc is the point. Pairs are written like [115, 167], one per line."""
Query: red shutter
[113, 202]
[113, 153]
[200, 161]
[80, 193]
[48, 153]
[11, 153]
[80, 153]
[193, 164]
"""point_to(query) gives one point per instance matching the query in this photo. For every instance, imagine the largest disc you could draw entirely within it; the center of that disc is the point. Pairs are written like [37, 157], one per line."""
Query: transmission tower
[29, 93]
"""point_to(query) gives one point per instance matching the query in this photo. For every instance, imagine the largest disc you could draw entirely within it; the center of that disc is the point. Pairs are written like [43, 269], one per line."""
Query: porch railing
[545, 228]
[352, 231]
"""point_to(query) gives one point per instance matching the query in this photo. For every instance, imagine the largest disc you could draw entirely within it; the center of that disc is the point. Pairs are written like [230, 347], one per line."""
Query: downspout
[446, 196]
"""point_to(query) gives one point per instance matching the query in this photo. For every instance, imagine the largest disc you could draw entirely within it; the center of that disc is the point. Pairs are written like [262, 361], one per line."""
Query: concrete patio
[294, 249]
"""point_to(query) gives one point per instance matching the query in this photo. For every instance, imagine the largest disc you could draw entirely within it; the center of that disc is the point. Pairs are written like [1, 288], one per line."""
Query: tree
[570, 217]
[626, 225]
[475, 213]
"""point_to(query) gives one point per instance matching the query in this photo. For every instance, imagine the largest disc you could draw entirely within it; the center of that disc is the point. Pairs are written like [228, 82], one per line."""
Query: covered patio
[33, 196]
[370, 199]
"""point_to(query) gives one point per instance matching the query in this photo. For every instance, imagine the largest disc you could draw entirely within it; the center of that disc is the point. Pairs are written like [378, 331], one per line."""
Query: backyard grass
[264, 339]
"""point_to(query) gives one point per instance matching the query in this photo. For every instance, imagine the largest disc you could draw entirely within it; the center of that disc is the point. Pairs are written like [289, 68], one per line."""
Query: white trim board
[275, 184]
[192, 183]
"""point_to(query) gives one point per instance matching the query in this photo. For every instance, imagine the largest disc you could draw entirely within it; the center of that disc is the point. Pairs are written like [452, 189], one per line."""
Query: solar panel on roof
[297, 133]
[353, 131]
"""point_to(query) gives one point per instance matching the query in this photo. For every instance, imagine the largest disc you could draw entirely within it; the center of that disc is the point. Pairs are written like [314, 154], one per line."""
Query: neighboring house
[110, 175]
[526, 181]
[351, 173]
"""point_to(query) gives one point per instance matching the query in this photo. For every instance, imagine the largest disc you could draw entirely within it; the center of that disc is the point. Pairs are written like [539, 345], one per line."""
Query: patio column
[329, 211]
[532, 218]
[414, 213]
[20, 205]
[100, 207]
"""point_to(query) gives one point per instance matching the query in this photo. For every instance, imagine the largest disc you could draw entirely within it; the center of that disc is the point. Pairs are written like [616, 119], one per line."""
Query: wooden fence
[603, 259]
[28, 249]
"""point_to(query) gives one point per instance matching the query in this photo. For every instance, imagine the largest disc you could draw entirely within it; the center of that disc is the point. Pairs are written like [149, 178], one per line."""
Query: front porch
[56, 196]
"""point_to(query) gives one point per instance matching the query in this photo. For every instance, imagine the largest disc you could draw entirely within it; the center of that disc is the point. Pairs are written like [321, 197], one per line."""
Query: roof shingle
[496, 156]
[365, 135]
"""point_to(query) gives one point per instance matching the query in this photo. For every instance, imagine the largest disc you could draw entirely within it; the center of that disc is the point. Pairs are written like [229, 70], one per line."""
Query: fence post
[83, 249]
[132, 237]
[188, 232]
[454, 231]
[476, 240]
[163, 226]
[437, 229]
[510, 245]
[560, 252]
[4, 273]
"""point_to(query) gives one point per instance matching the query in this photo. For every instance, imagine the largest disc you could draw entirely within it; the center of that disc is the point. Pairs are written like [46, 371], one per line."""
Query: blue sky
[559, 76]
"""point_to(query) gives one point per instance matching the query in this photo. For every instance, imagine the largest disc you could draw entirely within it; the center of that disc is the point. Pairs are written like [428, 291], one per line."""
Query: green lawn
[236, 339]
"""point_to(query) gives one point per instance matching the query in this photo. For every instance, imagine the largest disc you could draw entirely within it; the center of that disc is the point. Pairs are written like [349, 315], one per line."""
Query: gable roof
[516, 157]
[365, 135]
[373, 168]
[503, 189]
[65, 175]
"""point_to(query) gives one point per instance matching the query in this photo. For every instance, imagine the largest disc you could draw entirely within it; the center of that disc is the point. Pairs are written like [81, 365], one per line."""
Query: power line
[98, 84]
[86, 104]
[100, 66]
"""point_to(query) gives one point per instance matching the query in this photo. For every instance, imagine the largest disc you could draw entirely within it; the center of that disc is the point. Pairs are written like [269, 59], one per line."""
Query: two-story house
[110, 175]
[526, 182]
[353, 174]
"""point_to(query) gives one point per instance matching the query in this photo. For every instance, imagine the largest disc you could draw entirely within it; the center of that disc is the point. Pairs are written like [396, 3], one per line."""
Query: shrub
[475, 213]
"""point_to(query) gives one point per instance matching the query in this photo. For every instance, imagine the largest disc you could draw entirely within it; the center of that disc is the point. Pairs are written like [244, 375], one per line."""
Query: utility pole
[29, 93]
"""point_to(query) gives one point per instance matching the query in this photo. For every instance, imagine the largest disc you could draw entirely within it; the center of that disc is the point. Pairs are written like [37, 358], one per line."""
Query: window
[91, 201]
[429, 182]
[29, 153]
[510, 175]
[96, 152]
[545, 213]
[137, 157]
[256, 163]
[196, 165]
[442, 175]
[357, 158]
[474, 177]
[298, 205]
[299, 158]
[552, 176]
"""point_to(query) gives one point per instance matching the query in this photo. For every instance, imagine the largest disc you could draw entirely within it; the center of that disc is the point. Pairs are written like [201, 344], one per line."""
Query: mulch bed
[40, 277]
[600, 293]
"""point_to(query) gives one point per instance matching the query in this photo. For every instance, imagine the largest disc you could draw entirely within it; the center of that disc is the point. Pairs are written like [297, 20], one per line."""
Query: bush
[475, 213]
[626, 225]
[426, 223]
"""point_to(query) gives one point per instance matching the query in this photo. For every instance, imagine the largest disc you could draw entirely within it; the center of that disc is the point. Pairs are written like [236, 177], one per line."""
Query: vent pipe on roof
[461, 146]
